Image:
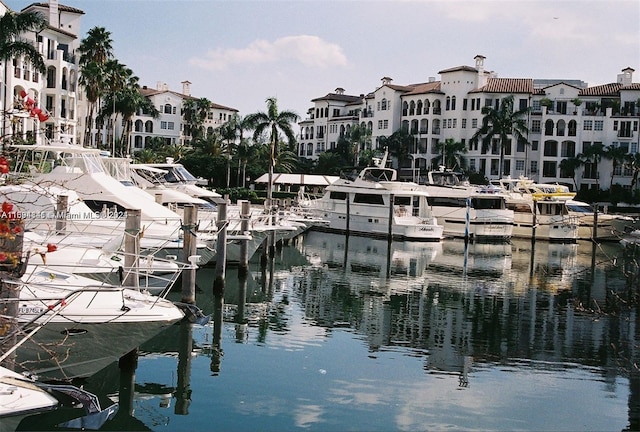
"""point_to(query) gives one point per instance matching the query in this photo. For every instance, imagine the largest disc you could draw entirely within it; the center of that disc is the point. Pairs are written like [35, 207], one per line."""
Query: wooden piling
[221, 249]
[390, 225]
[62, 206]
[132, 248]
[245, 215]
[594, 232]
[189, 248]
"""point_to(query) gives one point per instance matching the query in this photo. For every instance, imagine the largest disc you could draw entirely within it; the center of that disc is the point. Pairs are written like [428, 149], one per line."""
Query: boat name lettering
[33, 310]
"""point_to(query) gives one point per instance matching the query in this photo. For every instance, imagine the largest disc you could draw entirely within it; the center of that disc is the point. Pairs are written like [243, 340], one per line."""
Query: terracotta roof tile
[633, 86]
[506, 85]
[61, 7]
[428, 87]
[611, 89]
[338, 97]
[459, 68]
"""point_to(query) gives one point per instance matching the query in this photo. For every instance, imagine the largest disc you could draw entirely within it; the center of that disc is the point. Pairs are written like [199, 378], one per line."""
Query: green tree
[272, 122]
[569, 167]
[116, 78]
[399, 145]
[360, 137]
[501, 124]
[616, 155]
[194, 113]
[452, 154]
[593, 155]
[632, 162]
[95, 49]
[12, 27]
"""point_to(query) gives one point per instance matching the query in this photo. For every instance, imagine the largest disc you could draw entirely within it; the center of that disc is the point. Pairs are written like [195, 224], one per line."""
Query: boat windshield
[447, 178]
[179, 174]
[579, 208]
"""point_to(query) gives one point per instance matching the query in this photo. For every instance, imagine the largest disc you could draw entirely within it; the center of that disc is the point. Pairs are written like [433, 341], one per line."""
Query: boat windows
[338, 195]
[402, 200]
[368, 199]
[551, 209]
[447, 202]
[519, 207]
[487, 203]
[104, 206]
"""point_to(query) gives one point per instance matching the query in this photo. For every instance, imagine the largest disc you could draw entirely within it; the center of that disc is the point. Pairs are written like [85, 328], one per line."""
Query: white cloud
[311, 51]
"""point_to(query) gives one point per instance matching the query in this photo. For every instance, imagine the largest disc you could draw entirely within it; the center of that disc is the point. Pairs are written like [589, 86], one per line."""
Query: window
[598, 125]
[464, 104]
[549, 169]
[474, 123]
[383, 105]
[368, 199]
[523, 103]
[568, 149]
[163, 125]
[534, 167]
[551, 148]
[520, 165]
[464, 123]
[521, 145]
[379, 124]
[453, 103]
[588, 125]
[535, 126]
[170, 125]
[385, 124]
[167, 109]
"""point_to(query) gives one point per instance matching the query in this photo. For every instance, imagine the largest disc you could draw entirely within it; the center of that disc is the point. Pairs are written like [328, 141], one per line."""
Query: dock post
[594, 232]
[390, 227]
[189, 249]
[221, 249]
[467, 221]
[62, 207]
[245, 215]
[348, 220]
[132, 248]
[183, 387]
[535, 221]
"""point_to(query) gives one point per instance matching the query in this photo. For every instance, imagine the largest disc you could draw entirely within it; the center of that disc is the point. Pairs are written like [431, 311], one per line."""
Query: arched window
[383, 104]
[448, 104]
[427, 105]
[561, 125]
[412, 108]
[453, 103]
[436, 126]
[419, 108]
[436, 107]
[63, 84]
[138, 126]
[405, 108]
[51, 77]
[167, 109]
[147, 141]
[137, 141]
[311, 133]
[148, 126]
[341, 130]
[414, 126]
[405, 125]
[310, 149]
[573, 126]
[348, 131]
[548, 127]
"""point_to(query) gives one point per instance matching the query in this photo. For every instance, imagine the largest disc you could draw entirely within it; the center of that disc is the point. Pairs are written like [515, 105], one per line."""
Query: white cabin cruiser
[373, 203]
[468, 211]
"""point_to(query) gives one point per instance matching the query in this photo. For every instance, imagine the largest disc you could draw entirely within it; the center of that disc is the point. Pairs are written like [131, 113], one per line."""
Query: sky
[238, 53]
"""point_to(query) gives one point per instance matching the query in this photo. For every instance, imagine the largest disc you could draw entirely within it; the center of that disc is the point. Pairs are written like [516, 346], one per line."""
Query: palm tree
[128, 102]
[117, 77]
[194, 113]
[399, 145]
[569, 166]
[231, 131]
[12, 26]
[452, 154]
[593, 155]
[501, 123]
[274, 122]
[617, 156]
[95, 50]
[632, 162]
[360, 137]
[244, 153]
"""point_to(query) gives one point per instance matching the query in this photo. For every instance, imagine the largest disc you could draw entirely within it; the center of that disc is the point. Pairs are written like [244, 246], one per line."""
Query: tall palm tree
[12, 26]
[273, 122]
[452, 152]
[569, 166]
[617, 156]
[231, 131]
[632, 162]
[593, 155]
[95, 50]
[194, 113]
[117, 77]
[500, 124]
[360, 137]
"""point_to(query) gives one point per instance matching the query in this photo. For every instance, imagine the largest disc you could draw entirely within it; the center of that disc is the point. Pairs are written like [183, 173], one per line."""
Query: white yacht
[609, 227]
[78, 326]
[82, 170]
[20, 398]
[373, 203]
[467, 211]
[540, 210]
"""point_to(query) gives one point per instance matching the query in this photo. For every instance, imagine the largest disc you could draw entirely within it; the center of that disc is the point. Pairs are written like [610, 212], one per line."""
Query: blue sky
[237, 53]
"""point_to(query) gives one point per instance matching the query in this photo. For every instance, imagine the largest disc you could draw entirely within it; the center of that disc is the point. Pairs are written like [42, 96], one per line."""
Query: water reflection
[504, 320]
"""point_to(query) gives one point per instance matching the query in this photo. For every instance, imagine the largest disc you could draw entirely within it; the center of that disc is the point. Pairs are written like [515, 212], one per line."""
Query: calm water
[353, 335]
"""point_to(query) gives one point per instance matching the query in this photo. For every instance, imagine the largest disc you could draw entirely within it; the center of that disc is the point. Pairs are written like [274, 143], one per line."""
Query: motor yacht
[609, 227]
[540, 210]
[374, 203]
[467, 211]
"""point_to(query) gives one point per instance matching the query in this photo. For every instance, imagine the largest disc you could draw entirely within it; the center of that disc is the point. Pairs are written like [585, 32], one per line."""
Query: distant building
[450, 108]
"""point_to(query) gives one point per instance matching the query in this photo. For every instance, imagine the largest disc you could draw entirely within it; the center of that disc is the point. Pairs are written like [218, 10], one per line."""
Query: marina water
[348, 333]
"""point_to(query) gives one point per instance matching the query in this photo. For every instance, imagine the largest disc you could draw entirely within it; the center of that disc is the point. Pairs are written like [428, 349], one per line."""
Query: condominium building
[565, 117]
[53, 107]
[37, 106]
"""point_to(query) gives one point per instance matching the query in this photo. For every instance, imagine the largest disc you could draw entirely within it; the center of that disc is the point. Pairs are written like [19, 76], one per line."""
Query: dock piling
[189, 248]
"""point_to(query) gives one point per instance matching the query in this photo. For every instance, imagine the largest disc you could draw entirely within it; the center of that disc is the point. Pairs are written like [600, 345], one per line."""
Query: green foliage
[330, 163]
[236, 194]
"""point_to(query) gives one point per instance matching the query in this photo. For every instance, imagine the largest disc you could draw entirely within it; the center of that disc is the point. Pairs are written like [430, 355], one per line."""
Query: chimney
[339, 90]
[626, 77]
[54, 14]
[186, 88]
[432, 79]
[162, 86]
